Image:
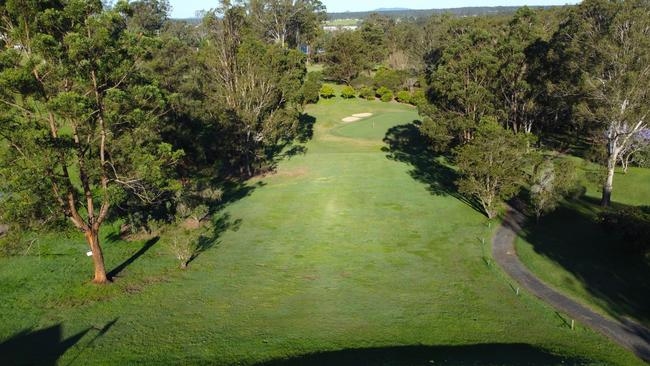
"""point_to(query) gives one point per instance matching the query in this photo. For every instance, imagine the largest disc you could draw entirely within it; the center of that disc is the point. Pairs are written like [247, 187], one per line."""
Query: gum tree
[78, 118]
[606, 46]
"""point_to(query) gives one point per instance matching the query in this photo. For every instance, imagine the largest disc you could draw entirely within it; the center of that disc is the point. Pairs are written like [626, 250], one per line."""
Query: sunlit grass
[342, 248]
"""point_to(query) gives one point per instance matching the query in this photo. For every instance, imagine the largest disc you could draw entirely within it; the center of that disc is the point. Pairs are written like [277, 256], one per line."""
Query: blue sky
[187, 8]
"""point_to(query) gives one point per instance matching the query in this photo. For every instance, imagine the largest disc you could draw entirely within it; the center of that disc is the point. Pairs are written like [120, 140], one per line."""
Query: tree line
[571, 79]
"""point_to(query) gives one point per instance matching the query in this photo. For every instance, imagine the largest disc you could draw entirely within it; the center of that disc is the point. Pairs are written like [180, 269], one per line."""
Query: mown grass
[571, 251]
[347, 255]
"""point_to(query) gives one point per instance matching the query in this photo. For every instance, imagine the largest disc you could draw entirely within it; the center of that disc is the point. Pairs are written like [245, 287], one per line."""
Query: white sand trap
[350, 119]
[362, 115]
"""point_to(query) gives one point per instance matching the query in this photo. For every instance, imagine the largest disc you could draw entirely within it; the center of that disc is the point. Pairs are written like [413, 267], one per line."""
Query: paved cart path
[627, 333]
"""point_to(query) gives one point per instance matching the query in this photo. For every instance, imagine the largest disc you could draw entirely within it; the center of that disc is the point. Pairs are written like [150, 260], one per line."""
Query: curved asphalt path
[627, 333]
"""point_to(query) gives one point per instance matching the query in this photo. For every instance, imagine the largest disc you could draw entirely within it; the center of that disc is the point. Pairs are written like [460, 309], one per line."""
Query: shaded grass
[571, 251]
[494, 354]
[353, 253]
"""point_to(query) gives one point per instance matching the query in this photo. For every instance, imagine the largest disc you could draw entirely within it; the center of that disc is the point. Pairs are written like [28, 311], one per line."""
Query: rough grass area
[357, 253]
[572, 252]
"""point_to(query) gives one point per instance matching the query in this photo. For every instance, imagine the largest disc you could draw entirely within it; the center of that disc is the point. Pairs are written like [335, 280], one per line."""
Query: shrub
[642, 158]
[382, 90]
[418, 97]
[392, 79]
[327, 91]
[11, 241]
[312, 86]
[387, 97]
[362, 81]
[348, 92]
[552, 181]
[404, 97]
[385, 94]
[183, 248]
[367, 93]
[633, 223]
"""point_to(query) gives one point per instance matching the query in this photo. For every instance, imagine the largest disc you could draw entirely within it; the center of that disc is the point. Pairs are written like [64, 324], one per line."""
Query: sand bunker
[350, 119]
[356, 117]
[362, 115]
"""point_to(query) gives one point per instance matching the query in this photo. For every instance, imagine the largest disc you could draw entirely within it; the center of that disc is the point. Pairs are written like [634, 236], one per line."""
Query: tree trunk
[92, 237]
[609, 182]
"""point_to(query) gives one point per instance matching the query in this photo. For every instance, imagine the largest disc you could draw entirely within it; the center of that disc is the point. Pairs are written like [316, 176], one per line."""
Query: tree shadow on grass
[407, 145]
[572, 238]
[45, 346]
[219, 226]
[145, 248]
[233, 191]
[306, 127]
[479, 354]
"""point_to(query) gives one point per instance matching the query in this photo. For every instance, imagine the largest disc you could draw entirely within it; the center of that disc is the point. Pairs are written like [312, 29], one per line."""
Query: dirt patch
[290, 173]
[362, 115]
[350, 119]
[192, 223]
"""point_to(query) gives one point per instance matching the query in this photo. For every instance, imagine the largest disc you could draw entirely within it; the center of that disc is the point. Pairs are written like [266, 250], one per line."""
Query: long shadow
[145, 248]
[479, 354]
[406, 144]
[306, 127]
[288, 149]
[44, 346]
[233, 191]
[573, 238]
[219, 226]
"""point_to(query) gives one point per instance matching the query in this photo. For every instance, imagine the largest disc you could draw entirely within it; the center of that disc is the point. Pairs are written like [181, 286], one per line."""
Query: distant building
[336, 28]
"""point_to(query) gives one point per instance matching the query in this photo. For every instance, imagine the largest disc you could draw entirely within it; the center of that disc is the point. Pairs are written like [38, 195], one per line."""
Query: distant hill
[417, 13]
[391, 9]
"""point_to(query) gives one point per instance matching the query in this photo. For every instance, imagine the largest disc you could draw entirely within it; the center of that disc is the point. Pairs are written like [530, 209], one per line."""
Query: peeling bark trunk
[92, 237]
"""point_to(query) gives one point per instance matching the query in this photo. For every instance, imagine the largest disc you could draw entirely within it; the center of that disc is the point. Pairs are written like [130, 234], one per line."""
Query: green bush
[382, 90]
[11, 241]
[404, 97]
[312, 86]
[367, 93]
[385, 94]
[418, 97]
[348, 92]
[633, 224]
[327, 91]
[362, 81]
[392, 79]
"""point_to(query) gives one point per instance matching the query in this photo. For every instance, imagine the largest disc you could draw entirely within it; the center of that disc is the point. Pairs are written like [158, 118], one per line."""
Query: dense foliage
[120, 113]
[312, 86]
[633, 223]
[492, 165]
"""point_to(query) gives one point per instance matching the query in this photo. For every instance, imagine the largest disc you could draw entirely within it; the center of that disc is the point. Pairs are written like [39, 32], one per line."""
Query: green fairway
[575, 254]
[357, 252]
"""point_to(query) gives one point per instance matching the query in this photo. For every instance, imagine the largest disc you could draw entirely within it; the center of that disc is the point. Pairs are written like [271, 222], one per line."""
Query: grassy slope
[570, 251]
[341, 249]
